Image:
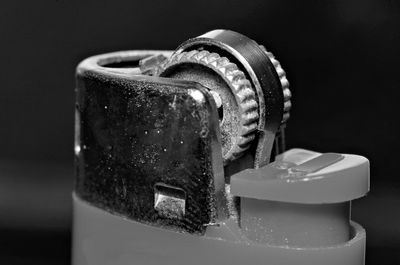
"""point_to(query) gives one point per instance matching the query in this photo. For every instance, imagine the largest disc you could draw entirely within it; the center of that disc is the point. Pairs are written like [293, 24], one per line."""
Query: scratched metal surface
[136, 132]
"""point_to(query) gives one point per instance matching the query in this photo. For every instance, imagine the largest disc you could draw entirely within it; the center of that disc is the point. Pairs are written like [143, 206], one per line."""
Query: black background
[341, 58]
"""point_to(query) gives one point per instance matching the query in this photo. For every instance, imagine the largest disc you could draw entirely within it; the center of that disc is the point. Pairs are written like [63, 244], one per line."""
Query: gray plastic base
[103, 238]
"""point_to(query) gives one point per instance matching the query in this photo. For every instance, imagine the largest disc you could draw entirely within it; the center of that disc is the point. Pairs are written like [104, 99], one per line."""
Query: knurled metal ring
[239, 103]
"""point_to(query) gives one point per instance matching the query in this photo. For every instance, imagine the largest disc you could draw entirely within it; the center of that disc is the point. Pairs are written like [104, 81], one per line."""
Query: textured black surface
[138, 132]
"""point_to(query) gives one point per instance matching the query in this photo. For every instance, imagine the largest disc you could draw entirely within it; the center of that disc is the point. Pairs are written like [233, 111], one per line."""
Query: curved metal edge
[95, 63]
